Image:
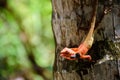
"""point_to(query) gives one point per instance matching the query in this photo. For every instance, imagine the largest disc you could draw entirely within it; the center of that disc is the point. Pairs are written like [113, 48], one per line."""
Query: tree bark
[70, 22]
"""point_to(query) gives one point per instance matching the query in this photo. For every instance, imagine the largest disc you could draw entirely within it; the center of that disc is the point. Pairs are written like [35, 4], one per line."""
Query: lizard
[82, 49]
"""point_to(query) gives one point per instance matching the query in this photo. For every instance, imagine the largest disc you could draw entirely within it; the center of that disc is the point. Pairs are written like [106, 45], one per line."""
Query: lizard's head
[69, 54]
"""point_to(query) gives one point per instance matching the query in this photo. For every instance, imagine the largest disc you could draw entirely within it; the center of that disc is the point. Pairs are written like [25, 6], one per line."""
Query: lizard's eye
[77, 55]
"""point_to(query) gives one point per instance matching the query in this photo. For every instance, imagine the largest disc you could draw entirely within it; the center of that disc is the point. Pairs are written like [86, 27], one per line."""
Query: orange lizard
[81, 51]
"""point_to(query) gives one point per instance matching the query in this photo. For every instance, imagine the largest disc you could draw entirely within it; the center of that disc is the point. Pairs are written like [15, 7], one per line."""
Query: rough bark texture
[71, 20]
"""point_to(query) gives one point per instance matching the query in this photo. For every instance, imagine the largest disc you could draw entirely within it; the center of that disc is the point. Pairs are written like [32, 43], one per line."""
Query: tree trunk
[70, 21]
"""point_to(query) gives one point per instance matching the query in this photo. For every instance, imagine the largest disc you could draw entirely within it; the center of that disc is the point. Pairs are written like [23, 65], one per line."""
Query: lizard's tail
[89, 38]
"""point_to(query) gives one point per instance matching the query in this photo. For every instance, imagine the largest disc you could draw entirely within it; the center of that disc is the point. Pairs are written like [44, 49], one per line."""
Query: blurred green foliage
[32, 17]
